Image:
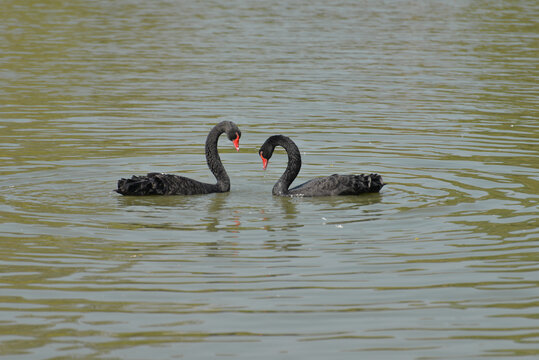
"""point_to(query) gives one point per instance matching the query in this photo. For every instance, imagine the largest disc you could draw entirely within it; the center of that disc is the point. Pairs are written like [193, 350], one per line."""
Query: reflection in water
[287, 224]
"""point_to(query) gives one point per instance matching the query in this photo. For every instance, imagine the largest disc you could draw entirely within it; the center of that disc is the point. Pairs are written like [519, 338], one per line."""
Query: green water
[439, 97]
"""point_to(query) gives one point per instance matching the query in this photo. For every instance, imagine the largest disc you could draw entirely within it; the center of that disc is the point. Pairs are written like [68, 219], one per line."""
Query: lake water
[439, 97]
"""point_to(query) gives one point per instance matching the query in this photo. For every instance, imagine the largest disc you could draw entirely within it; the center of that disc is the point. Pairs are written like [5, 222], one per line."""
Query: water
[440, 98]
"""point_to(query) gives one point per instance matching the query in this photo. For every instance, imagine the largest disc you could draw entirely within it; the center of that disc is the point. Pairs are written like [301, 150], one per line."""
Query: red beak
[264, 162]
[236, 142]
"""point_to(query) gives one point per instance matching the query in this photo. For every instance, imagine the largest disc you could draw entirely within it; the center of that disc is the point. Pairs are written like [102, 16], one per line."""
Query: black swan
[322, 186]
[167, 184]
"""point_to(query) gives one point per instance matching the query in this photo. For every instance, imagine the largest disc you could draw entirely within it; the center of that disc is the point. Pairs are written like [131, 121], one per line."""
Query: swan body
[168, 184]
[321, 186]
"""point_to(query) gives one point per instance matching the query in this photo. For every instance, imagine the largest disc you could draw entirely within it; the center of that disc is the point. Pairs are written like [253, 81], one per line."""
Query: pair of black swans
[167, 184]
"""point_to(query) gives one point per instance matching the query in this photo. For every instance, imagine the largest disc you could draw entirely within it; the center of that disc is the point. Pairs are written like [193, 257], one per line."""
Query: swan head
[265, 152]
[233, 133]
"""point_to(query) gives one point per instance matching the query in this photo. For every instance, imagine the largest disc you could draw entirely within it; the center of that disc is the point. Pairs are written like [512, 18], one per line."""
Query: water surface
[440, 98]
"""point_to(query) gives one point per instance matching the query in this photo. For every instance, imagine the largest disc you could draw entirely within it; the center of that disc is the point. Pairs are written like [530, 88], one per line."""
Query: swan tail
[139, 185]
[370, 183]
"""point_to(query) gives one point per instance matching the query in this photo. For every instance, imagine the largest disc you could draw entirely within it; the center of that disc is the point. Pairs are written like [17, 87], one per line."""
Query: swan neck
[292, 168]
[213, 159]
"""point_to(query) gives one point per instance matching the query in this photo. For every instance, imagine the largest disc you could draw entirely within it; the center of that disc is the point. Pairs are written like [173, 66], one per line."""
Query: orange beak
[236, 142]
[264, 162]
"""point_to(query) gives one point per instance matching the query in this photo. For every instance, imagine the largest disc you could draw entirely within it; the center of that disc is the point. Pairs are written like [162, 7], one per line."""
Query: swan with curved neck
[322, 186]
[168, 184]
